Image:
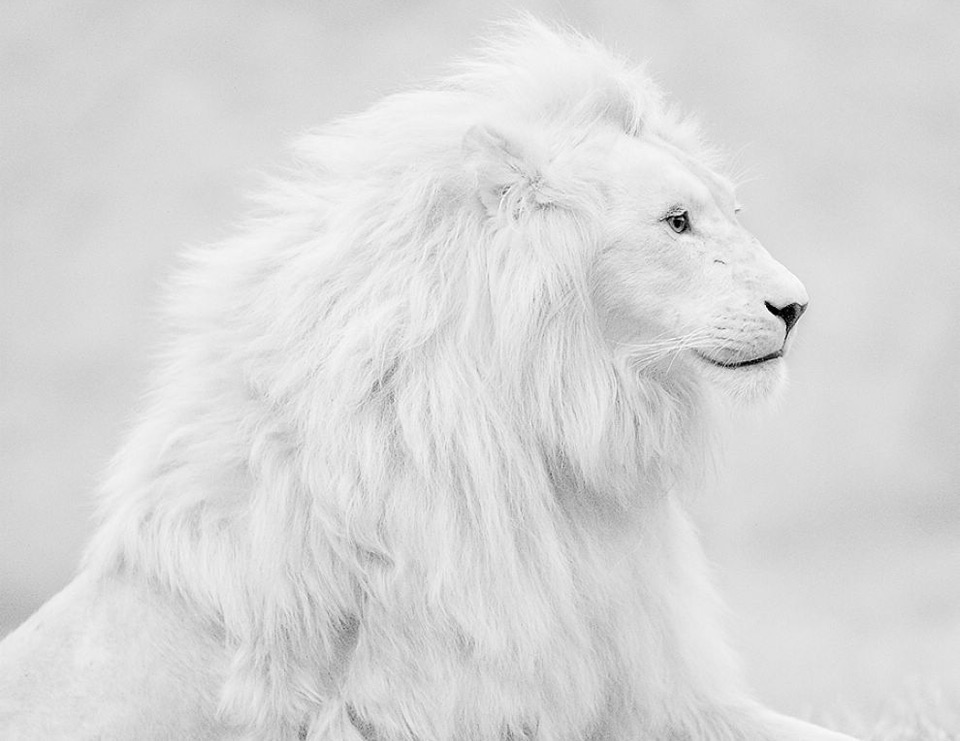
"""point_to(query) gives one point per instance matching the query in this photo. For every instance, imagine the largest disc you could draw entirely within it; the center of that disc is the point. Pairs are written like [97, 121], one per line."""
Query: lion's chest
[564, 640]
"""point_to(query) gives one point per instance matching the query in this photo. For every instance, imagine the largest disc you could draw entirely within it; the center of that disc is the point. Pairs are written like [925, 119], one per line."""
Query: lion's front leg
[700, 694]
[785, 728]
[742, 723]
[750, 722]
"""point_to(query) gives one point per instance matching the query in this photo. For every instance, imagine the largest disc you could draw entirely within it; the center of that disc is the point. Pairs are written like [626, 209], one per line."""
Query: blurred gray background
[128, 129]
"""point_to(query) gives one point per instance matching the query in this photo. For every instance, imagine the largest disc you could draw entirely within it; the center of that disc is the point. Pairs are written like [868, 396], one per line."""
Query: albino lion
[412, 467]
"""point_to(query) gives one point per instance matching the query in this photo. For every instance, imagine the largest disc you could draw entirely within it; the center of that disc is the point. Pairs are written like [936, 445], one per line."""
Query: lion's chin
[747, 382]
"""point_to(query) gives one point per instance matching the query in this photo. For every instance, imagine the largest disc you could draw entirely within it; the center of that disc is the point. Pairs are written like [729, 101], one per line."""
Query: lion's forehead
[664, 174]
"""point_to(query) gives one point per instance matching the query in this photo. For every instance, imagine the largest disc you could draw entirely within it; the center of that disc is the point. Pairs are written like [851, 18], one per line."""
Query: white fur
[417, 443]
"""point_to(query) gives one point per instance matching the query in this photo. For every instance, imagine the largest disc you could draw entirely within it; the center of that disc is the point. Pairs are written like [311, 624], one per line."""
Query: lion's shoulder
[106, 658]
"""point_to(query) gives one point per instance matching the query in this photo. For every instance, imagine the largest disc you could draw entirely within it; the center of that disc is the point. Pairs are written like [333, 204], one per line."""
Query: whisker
[643, 354]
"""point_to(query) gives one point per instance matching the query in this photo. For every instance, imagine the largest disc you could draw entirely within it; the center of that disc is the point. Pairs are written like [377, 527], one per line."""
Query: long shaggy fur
[391, 456]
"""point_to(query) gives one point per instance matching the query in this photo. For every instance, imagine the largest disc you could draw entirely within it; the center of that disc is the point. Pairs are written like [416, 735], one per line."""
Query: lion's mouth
[742, 363]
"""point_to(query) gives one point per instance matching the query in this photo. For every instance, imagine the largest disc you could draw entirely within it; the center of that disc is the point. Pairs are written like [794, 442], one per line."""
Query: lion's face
[681, 282]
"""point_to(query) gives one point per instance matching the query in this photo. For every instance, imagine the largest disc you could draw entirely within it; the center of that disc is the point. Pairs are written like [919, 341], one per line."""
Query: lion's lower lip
[742, 363]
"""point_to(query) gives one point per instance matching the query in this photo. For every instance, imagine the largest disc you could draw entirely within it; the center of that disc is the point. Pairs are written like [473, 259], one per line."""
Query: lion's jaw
[708, 300]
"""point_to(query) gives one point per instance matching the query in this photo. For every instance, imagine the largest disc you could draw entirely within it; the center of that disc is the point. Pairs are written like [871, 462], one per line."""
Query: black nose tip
[789, 313]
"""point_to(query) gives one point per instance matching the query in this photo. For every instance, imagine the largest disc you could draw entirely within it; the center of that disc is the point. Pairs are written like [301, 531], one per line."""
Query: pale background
[128, 129]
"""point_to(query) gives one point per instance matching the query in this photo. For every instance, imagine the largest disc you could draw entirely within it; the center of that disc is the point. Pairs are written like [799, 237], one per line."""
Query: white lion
[413, 465]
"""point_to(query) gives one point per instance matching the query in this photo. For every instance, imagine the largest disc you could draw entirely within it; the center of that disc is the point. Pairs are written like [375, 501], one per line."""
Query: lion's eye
[679, 222]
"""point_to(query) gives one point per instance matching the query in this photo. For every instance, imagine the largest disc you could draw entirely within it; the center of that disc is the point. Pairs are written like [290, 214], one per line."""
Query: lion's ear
[508, 170]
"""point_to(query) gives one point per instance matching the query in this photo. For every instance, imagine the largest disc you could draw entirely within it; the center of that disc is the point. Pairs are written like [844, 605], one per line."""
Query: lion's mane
[387, 446]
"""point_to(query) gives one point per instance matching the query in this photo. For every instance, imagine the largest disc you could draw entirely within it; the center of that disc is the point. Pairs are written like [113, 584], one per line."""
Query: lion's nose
[790, 313]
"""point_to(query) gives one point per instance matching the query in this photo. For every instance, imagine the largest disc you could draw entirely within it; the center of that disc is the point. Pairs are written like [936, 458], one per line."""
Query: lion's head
[672, 277]
[631, 221]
